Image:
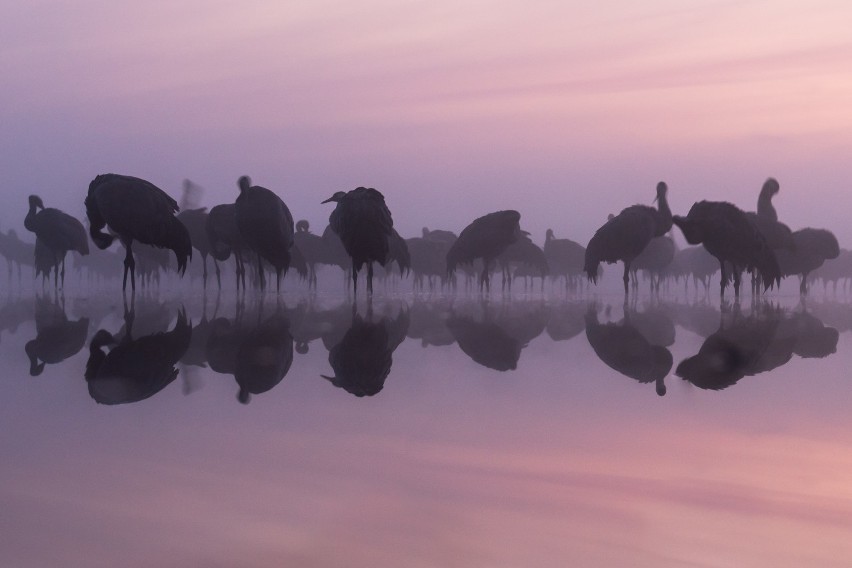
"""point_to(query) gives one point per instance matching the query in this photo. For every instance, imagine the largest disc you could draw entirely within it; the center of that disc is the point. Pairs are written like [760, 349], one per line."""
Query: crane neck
[664, 222]
[764, 206]
[29, 220]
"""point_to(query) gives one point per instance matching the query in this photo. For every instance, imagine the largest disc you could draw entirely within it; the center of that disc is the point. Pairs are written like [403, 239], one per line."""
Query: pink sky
[565, 111]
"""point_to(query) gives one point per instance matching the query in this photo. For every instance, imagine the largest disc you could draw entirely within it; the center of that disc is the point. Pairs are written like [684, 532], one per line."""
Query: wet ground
[424, 431]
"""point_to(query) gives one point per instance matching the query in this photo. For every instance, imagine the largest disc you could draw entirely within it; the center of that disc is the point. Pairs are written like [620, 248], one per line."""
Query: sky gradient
[564, 111]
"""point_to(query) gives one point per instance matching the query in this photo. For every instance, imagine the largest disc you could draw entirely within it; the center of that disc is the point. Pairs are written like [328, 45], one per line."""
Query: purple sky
[565, 111]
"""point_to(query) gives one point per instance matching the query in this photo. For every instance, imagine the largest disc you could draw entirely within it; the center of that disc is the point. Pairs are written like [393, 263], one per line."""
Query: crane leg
[129, 266]
[369, 278]
[354, 280]
[803, 287]
[736, 276]
[724, 279]
[204, 273]
[218, 274]
[626, 277]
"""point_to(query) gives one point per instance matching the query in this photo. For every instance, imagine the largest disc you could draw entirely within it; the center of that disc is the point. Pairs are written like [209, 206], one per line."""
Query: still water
[424, 432]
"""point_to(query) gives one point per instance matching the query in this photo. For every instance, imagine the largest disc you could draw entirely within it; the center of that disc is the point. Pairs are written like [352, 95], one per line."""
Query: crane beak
[329, 199]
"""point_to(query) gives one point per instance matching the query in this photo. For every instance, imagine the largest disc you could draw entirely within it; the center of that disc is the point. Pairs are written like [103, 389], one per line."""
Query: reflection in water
[429, 322]
[264, 357]
[14, 312]
[495, 336]
[257, 355]
[362, 359]
[624, 348]
[135, 369]
[566, 321]
[57, 338]
[760, 342]
[309, 323]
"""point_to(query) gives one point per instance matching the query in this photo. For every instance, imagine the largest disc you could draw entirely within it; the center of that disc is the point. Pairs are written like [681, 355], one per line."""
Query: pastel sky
[566, 111]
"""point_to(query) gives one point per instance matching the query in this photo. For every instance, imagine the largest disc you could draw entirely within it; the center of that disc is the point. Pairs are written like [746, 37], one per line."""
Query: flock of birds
[258, 230]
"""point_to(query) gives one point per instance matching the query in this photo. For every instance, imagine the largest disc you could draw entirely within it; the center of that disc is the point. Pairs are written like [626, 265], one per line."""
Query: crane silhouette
[365, 227]
[485, 238]
[654, 261]
[777, 234]
[728, 235]
[16, 252]
[626, 235]
[564, 257]
[58, 232]
[313, 248]
[266, 225]
[225, 238]
[812, 247]
[522, 253]
[135, 210]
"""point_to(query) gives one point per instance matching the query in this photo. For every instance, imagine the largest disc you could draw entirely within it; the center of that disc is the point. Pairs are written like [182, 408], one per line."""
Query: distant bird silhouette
[697, 263]
[195, 221]
[363, 357]
[623, 348]
[135, 210]
[225, 239]
[16, 252]
[440, 236]
[313, 248]
[57, 338]
[365, 226]
[266, 226]
[58, 232]
[564, 258]
[655, 261]
[428, 261]
[485, 238]
[812, 248]
[626, 235]
[835, 270]
[135, 369]
[522, 253]
[728, 235]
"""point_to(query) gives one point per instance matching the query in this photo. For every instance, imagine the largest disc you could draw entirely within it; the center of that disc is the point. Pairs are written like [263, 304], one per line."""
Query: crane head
[35, 201]
[244, 183]
[662, 189]
[336, 197]
[302, 226]
[770, 187]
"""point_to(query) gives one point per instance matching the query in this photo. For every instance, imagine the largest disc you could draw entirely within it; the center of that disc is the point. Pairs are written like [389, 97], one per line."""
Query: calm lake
[424, 431]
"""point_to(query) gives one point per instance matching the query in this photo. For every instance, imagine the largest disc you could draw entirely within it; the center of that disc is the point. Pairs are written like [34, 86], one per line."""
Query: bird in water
[485, 238]
[266, 226]
[728, 235]
[58, 232]
[365, 227]
[135, 210]
[626, 235]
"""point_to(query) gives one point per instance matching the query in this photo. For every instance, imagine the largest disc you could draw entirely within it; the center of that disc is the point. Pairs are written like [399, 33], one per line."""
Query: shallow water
[448, 432]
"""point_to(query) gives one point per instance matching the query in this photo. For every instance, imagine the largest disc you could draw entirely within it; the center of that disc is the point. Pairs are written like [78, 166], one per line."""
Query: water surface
[425, 431]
